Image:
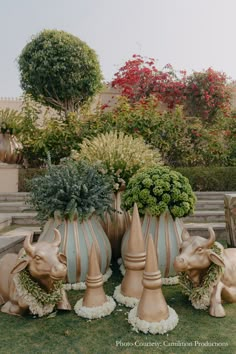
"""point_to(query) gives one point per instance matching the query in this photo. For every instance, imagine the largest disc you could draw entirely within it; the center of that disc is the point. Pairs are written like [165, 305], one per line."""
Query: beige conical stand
[152, 314]
[130, 290]
[95, 303]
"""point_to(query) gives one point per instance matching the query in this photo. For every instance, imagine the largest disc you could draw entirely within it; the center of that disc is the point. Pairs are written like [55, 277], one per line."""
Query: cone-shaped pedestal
[94, 295]
[152, 306]
[134, 259]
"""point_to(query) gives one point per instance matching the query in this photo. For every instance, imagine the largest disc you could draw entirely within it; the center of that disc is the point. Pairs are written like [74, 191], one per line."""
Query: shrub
[43, 134]
[26, 175]
[139, 79]
[59, 70]
[207, 94]
[158, 189]
[210, 178]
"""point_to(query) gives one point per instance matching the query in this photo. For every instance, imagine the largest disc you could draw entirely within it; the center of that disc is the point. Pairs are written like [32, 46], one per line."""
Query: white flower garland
[165, 281]
[125, 300]
[153, 327]
[35, 307]
[82, 285]
[95, 312]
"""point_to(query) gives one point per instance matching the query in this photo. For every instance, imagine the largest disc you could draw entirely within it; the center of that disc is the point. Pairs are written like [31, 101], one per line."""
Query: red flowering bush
[203, 94]
[139, 78]
[207, 94]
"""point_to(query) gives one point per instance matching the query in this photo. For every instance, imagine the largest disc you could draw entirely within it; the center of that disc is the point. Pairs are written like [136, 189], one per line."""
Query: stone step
[7, 207]
[209, 205]
[20, 196]
[201, 229]
[212, 195]
[12, 241]
[10, 244]
[25, 218]
[205, 216]
[5, 221]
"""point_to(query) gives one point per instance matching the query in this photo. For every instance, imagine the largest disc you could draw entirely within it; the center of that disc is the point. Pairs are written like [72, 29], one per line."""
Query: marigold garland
[200, 295]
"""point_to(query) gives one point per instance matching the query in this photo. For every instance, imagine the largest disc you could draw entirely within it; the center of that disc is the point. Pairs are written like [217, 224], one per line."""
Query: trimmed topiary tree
[59, 70]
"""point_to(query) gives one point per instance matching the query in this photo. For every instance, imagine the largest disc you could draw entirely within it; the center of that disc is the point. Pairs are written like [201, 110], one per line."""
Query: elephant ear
[215, 258]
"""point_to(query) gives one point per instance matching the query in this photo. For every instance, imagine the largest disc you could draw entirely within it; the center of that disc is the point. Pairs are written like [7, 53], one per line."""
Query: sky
[191, 35]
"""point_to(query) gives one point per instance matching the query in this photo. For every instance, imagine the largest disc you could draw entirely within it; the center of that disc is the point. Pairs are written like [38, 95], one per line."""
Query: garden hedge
[210, 178]
[200, 178]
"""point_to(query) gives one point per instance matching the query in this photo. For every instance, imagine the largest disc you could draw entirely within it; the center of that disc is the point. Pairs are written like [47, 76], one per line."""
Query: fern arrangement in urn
[71, 190]
[74, 193]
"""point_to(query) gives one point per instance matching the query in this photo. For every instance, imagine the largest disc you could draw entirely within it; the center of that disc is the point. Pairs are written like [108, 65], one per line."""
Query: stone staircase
[209, 211]
[17, 219]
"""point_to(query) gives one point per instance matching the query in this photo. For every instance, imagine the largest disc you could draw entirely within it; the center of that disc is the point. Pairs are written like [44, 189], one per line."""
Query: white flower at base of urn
[82, 285]
[153, 327]
[165, 281]
[170, 280]
[95, 312]
[124, 300]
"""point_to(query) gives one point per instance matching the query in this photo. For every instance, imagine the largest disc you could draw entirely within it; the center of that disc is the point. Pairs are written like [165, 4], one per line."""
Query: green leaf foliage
[158, 189]
[71, 190]
[59, 70]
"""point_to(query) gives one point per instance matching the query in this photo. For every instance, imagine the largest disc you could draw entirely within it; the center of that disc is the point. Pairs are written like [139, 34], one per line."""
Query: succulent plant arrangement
[71, 190]
[158, 189]
[120, 154]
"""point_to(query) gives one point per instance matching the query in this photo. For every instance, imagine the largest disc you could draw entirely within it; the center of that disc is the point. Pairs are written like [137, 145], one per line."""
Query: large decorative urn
[115, 224]
[76, 240]
[166, 233]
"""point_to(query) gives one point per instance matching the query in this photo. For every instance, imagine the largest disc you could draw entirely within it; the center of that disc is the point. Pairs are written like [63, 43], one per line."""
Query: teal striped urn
[166, 233]
[76, 240]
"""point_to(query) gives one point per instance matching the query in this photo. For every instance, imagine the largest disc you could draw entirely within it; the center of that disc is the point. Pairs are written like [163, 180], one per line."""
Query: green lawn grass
[68, 333]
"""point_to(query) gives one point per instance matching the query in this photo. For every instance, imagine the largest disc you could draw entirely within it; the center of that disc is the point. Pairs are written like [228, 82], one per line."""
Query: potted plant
[71, 195]
[163, 197]
[121, 156]
[10, 147]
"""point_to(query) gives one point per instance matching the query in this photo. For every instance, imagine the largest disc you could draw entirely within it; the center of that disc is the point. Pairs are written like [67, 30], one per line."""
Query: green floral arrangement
[158, 189]
[200, 295]
[71, 190]
[120, 154]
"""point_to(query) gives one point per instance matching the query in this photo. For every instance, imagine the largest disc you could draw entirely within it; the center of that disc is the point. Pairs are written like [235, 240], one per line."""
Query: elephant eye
[199, 249]
[180, 250]
[37, 258]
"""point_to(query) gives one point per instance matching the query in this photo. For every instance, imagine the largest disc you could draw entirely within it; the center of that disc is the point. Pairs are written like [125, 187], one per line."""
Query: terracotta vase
[166, 233]
[116, 224]
[77, 238]
[10, 149]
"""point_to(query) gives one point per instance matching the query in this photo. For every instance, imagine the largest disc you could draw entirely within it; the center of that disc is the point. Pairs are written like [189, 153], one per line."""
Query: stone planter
[230, 218]
[166, 233]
